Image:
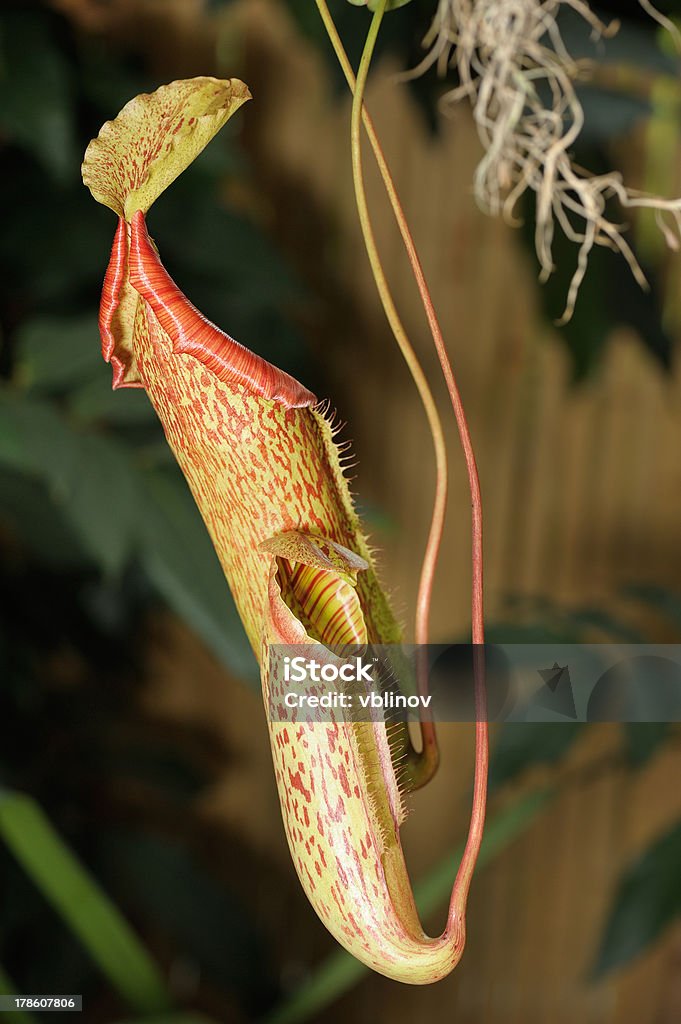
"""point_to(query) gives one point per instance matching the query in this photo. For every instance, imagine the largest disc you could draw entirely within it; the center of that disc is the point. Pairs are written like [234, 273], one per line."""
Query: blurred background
[142, 857]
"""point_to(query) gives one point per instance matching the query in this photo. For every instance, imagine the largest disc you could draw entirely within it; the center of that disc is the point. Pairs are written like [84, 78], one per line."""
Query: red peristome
[111, 290]
[191, 333]
[114, 280]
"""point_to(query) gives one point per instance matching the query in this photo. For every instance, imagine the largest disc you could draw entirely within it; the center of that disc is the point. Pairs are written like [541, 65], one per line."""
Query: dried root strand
[503, 50]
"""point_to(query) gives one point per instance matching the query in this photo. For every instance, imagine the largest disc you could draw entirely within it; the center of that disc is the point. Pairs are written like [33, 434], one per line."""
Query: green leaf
[113, 508]
[643, 740]
[610, 115]
[588, 618]
[48, 240]
[90, 478]
[81, 903]
[648, 899]
[28, 512]
[95, 400]
[35, 440]
[341, 971]
[521, 745]
[230, 270]
[541, 631]
[178, 556]
[205, 920]
[661, 599]
[55, 353]
[8, 988]
[634, 45]
[101, 502]
[36, 105]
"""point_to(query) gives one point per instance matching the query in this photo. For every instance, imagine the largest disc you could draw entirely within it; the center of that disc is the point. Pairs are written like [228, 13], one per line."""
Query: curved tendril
[429, 754]
[359, 112]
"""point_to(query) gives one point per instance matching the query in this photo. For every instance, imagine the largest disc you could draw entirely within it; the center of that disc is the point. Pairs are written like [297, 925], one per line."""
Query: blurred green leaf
[108, 77]
[661, 599]
[102, 501]
[28, 511]
[9, 988]
[200, 237]
[341, 971]
[231, 271]
[36, 102]
[635, 44]
[208, 922]
[95, 401]
[83, 906]
[643, 739]
[609, 115]
[89, 477]
[608, 298]
[648, 898]
[178, 556]
[58, 962]
[57, 353]
[523, 745]
[158, 766]
[540, 631]
[114, 509]
[588, 617]
[377, 519]
[54, 244]
[35, 440]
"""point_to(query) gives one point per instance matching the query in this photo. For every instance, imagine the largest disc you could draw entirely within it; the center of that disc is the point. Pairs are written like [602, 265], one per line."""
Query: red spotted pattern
[258, 467]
